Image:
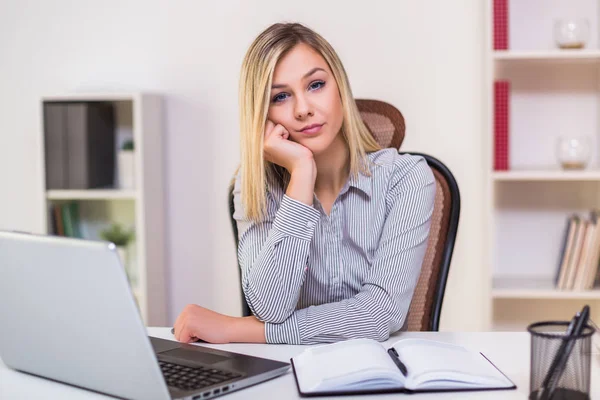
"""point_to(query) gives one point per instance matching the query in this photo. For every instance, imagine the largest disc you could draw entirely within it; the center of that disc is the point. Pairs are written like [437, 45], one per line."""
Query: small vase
[573, 152]
[571, 33]
[126, 169]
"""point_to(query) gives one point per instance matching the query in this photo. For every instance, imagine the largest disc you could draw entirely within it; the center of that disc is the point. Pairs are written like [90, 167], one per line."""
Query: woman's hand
[197, 322]
[279, 150]
[294, 157]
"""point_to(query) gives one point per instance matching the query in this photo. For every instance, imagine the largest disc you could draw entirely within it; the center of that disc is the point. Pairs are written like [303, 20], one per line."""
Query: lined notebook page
[336, 366]
[429, 360]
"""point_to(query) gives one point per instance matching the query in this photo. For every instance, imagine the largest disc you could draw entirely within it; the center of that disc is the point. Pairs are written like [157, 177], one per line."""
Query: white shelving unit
[552, 92]
[138, 117]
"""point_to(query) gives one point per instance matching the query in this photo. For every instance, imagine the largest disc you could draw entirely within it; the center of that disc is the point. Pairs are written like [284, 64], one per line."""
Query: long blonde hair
[254, 98]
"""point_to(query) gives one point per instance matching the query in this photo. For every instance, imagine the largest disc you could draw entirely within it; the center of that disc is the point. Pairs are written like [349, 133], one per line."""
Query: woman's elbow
[269, 311]
[382, 335]
[272, 316]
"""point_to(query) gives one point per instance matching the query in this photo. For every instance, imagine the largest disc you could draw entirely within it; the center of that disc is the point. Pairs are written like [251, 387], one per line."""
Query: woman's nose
[303, 108]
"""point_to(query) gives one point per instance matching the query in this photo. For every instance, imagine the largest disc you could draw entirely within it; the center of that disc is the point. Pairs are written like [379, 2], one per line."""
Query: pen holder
[547, 338]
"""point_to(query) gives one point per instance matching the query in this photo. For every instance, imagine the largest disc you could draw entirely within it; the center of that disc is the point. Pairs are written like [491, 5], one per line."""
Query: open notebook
[410, 365]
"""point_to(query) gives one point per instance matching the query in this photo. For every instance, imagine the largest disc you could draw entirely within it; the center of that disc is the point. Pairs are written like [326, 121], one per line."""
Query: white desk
[509, 351]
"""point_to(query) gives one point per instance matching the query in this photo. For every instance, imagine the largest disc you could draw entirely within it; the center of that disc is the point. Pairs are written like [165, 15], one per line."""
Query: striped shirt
[314, 278]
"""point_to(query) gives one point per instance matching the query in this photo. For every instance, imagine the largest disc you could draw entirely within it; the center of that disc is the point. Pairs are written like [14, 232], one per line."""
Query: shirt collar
[361, 182]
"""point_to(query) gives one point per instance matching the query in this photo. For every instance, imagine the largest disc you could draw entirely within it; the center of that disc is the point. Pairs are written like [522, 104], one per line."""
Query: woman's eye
[279, 98]
[316, 85]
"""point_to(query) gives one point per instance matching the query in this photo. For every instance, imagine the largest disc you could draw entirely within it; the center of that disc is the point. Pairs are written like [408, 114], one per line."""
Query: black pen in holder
[571, 377]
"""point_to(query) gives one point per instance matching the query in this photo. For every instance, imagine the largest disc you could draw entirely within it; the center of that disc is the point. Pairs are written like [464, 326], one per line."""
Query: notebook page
[434, 364]
[342, 365]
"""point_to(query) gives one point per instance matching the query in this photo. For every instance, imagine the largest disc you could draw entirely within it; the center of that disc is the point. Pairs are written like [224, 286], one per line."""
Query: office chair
[386, 124]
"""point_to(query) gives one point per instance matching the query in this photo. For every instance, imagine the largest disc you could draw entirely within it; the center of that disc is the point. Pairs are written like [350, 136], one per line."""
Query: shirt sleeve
[273, 254]
[381, 306]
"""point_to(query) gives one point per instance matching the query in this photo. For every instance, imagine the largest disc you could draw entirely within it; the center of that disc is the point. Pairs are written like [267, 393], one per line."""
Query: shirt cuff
[296, 219]
[287, 332]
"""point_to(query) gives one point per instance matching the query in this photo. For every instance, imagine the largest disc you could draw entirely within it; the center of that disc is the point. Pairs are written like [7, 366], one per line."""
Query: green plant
[128, 145]
[117, 234]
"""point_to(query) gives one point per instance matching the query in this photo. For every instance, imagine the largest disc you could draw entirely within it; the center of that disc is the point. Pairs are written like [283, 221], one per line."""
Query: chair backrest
[426, 305]
[384, 121]
[386, 124]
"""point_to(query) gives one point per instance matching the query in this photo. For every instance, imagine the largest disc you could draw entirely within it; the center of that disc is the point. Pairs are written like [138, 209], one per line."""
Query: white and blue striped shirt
[313, 277]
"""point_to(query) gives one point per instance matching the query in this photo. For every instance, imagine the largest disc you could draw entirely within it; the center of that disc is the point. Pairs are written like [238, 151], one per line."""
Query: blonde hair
[254, 98]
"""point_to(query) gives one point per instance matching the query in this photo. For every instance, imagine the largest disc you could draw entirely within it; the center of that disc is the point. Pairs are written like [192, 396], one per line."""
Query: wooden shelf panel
[91, 194]
[547, 175]
[96, 96]
[536, 288]
[551, 55]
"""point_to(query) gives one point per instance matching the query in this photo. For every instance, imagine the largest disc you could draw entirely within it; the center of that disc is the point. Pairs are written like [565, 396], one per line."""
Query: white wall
[423, 57]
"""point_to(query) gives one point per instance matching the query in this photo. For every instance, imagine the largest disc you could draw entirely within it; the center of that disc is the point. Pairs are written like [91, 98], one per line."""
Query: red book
[501, 124]
[501, 24]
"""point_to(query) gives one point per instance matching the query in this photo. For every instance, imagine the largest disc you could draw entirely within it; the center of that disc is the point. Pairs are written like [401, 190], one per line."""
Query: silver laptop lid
[67, 313]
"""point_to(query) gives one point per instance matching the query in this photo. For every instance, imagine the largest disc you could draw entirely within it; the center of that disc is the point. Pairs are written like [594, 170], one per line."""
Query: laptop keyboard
[192, 378]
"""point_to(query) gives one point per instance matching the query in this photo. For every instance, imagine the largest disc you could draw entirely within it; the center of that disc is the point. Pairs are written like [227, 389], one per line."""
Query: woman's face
[305, 99]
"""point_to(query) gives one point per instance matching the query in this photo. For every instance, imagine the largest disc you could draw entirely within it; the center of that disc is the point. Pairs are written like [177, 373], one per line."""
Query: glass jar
[573, 152]
[571, 33]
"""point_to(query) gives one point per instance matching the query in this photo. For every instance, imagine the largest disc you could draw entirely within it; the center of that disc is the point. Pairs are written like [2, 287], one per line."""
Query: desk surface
[508, 350]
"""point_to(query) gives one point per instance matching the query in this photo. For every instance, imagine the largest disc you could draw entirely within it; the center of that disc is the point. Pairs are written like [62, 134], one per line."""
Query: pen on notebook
[396, 359]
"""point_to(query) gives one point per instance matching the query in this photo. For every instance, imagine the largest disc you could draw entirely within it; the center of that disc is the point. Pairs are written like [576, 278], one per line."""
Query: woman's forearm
[302, 182]
[246, 330]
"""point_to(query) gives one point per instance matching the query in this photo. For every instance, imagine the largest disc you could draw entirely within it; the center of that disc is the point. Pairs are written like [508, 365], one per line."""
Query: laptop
[67, 313]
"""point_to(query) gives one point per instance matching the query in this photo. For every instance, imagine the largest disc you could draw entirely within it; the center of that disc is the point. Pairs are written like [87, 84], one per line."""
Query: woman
[332, 229]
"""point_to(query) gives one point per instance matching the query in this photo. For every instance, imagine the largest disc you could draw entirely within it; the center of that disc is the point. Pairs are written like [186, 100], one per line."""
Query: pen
[561, 349]
[396, 359]
[565, 350]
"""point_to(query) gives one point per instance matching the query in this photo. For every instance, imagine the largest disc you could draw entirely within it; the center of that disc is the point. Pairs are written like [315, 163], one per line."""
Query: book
[566, 250]
[577, 251]
[583, 274]
[501, 18]
[55, 146]
[501, 125]
[411, 365]
[595, 258]
[58, 220]
[586, 255]
[91, 144]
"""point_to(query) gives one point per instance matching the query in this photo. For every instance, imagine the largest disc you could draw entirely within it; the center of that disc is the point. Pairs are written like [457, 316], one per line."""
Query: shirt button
[310, 224]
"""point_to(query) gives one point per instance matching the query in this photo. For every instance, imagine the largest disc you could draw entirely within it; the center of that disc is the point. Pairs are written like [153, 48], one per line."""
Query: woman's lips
[312, 129]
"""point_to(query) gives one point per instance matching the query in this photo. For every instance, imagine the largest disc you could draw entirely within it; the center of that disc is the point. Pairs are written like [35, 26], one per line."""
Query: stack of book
[79, 142]
[580, 254]
[65, 219]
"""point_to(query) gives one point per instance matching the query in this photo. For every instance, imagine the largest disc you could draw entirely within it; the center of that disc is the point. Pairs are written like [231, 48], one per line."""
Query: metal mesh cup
[546, 339]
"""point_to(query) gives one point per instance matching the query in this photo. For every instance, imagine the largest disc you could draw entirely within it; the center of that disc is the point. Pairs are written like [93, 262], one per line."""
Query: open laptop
[67, 313]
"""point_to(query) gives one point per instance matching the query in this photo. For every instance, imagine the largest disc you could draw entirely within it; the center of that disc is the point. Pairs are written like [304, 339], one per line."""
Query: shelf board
[547, 175]
[536, 288]
[96, 96]
[91, 194]
[550, 55]
[517, 293]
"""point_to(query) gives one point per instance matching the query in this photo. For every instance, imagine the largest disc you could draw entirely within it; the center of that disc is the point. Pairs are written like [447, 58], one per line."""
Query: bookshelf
[552, 92]
[138, 117]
